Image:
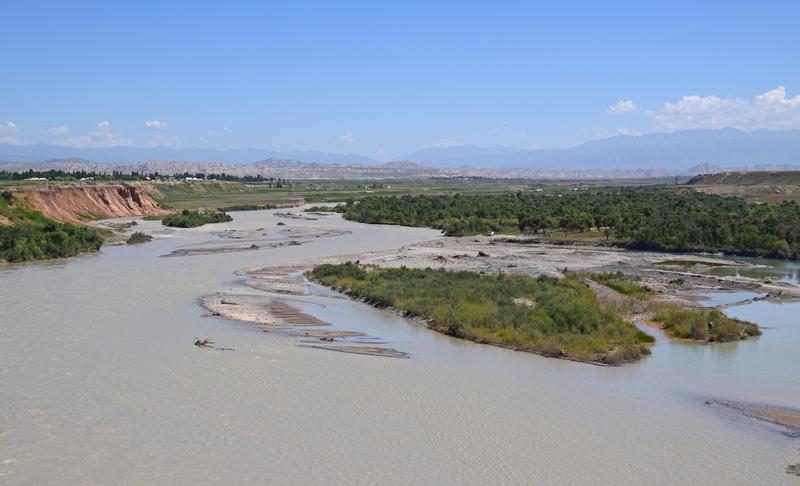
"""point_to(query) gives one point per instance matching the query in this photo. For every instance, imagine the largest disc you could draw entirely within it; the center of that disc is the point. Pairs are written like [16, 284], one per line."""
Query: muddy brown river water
[100, 384]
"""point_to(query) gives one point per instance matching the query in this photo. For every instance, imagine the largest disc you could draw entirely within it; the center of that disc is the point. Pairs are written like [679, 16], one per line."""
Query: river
[100, 384]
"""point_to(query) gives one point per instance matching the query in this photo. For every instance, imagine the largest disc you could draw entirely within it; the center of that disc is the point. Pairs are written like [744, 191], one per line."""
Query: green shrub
[193, 219]
[138, 237]
[40, 240]
[32, 236]
[326, 209]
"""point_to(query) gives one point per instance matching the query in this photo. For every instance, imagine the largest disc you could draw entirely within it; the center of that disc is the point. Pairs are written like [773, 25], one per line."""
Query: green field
[216, 194]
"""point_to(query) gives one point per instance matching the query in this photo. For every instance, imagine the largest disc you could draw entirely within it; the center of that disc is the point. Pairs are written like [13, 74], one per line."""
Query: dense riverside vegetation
[322, 209]
[193, 219]
[29, 235]
[637, 218]
[554, 317]
[708, 325]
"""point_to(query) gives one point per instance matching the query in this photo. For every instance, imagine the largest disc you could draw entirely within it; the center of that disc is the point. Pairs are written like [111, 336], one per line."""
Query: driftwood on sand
[208, 343]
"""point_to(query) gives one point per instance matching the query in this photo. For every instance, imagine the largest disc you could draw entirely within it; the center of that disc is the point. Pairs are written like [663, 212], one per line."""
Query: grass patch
[624, 284]
[706, 325]
[565, 320]
[216, 195]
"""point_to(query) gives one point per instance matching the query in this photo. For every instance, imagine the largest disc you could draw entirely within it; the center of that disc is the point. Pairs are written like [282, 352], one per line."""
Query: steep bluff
[76, 204]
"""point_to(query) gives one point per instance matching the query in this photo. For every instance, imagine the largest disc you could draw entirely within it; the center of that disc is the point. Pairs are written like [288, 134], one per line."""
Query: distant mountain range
[680, 152]
[127, 155]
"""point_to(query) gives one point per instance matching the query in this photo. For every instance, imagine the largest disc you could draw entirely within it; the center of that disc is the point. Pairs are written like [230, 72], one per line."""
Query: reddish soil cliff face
[76, 204]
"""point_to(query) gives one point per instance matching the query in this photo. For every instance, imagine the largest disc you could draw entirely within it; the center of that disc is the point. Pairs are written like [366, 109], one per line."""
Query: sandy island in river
[672, 279]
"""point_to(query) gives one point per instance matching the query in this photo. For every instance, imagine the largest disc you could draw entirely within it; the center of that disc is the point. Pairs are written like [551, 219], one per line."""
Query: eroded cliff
[78, 203]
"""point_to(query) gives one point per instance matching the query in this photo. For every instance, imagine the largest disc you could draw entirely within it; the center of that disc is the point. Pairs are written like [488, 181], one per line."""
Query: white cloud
[156, 124]
[10, 134]
[101, 136]
[346, 137]
[776, 100]
[621, 107]
[58, 130]
[772, 110]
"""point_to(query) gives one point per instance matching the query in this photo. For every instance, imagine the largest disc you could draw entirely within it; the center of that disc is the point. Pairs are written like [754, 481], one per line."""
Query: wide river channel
[100, 383]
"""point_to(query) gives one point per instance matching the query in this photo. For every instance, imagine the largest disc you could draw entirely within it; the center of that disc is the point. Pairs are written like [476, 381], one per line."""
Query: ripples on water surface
[101, 384]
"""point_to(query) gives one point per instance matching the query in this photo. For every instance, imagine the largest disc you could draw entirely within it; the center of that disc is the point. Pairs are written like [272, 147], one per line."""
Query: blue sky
[385, 79]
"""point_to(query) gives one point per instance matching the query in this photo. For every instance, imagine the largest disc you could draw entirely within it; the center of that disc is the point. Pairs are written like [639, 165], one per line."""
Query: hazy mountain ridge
[128, 155]
[682, 152]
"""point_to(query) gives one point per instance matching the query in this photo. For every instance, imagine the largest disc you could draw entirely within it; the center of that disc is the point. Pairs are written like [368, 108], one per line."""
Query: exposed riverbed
[101, 383]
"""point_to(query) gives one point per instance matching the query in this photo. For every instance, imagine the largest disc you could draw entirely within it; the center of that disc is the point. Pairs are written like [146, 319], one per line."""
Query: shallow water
[713, 299]
[101, 384]
[762, 268]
